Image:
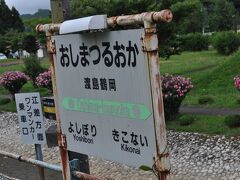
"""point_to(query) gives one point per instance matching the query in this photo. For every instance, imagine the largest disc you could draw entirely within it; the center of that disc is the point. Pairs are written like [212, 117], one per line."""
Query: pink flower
[13, 81]
[237, 82]
[44, 80]
[175, 86]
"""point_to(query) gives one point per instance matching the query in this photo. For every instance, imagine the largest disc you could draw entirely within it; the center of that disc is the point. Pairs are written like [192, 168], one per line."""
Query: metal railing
[46, 165]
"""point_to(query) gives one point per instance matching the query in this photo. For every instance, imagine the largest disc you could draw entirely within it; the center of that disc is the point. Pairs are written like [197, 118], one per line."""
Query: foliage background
[190, 16]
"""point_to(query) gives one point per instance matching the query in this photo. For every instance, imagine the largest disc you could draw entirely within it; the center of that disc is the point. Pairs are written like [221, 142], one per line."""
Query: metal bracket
[52, 47]
[74, 164]
[62, 141]
[149, 42]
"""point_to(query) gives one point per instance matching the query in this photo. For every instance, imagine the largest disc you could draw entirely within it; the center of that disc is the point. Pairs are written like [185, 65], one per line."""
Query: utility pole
[57, 10]
[60, 12]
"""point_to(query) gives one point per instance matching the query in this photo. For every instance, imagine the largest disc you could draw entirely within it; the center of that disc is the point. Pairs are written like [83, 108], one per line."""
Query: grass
[189, 63]
[6, 61]
[17, 67]
[204, 124]
[9, 107]
[211, 74]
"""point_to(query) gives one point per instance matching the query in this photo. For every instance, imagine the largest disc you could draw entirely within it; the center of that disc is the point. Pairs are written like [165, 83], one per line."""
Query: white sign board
[104, 96]
[30, 118]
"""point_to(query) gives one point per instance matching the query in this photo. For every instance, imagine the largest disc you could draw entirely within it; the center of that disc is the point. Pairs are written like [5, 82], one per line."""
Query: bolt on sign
[104, 96]
[30, 118]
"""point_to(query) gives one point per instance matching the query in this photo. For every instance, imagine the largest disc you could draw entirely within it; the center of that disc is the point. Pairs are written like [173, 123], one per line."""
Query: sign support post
[31, 123]
[39, 156]
[150, 41]
[58, 17]
[61, 138]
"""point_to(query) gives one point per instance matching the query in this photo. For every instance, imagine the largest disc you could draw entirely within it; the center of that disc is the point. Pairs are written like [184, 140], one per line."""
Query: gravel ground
[192, 155]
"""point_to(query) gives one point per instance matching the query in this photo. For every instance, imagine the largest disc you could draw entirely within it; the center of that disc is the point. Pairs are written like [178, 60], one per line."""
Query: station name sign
[104, 96]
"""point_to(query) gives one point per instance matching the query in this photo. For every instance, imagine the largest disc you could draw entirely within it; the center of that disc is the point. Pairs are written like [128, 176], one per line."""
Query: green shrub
[226, 43]
[238, 100]
[232, 121]
[4, 101]
[171, 47]
[194, 42]
[33, 68]
[205, 100]
[171, 108]
[186, 120]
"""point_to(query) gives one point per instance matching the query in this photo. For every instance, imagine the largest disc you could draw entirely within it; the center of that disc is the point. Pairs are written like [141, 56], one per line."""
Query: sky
[28, 6]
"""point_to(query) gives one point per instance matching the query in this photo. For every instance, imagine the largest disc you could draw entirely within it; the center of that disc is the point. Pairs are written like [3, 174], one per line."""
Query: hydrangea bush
[13, 81]
[174, 90]
[237, 82]
[44, 80]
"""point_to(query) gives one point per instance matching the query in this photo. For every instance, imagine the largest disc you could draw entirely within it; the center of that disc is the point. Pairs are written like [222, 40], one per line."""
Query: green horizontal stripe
[103, 107]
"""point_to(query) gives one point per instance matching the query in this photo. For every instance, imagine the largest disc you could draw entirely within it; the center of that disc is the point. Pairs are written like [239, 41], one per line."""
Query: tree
[30, 25]
[81, 8]
[3, 44]
[16, 22]
[9, 19]
[10, 26]
[221, 17]
[188, 16]
[167, 32]
[14, 39]
[236, 4]
[5, 16]
[29, 44]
